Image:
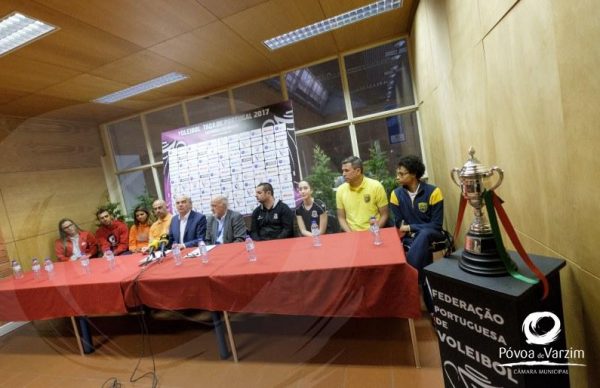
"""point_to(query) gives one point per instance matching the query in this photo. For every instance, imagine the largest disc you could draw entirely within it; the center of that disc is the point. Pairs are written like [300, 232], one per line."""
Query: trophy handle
[454, 175]
[500, 173]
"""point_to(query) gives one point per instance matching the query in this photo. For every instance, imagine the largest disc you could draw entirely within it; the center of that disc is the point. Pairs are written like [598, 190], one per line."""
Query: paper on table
[196, 252]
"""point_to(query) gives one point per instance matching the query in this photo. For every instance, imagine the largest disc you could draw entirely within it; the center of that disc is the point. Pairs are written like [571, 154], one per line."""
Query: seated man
[359, 198]
[160, 227]
[225, 225]
[418, 209]
[188, 227]
[112, 234]
[73, 242]
[271, 219]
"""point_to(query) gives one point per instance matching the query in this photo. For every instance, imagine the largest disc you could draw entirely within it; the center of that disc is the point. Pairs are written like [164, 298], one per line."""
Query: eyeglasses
[402, 173]
[65, 227]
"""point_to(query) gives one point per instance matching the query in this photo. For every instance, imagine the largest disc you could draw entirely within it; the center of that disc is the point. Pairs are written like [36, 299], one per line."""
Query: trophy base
[480, 256]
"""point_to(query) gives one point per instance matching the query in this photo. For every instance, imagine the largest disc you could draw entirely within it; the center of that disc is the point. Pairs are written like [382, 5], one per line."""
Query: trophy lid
[473, 168]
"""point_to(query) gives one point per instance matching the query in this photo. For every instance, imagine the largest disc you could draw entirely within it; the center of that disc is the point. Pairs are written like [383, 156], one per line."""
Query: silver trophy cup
[480, 255]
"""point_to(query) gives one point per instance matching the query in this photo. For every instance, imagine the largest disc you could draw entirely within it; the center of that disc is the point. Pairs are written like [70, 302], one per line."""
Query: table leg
[222, 344]
[77, 337]
[413, 339]
[230, 336]
[84, 341]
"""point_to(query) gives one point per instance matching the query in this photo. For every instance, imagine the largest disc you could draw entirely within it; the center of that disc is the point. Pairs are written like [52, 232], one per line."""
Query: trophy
[480, 256]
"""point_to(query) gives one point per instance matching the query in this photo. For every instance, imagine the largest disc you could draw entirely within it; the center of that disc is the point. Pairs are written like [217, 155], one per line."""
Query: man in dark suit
[187, 227]
[225, 225]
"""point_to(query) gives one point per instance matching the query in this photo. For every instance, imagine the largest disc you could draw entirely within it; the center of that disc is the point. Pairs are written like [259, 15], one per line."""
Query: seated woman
[310, 210]
[73, 242]
[139, 232]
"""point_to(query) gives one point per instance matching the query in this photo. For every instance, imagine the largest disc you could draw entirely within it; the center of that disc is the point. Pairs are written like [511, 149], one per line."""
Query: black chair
[333, 225]
[446, 246]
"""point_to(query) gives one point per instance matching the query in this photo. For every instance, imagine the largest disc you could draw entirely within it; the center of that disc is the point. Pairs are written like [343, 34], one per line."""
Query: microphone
[152, 247]
[164, 240]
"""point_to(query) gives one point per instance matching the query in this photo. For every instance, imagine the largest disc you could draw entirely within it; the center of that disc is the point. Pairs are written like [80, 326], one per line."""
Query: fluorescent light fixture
[332, 23]
[17, 30]
[142, 88]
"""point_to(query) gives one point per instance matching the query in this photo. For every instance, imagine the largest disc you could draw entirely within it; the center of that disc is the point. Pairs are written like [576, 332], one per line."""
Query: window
[163, 120]
[128, 143]
[379, 79]
[317, 95]
[397, 136]
[258, 94]
[208, 108]
[329, 142]
[135, 184]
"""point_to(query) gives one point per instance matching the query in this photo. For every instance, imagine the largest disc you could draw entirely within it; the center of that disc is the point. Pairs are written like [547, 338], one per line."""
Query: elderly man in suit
[188, 227]
[225, 225]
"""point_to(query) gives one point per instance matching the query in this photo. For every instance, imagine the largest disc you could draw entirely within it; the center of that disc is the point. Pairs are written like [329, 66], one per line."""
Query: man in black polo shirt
[272, 219]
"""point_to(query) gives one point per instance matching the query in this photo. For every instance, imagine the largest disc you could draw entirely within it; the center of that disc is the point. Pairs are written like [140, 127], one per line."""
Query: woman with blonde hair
[73, 242]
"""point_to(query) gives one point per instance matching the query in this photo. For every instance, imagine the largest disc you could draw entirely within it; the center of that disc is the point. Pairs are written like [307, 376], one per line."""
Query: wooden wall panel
[38, 145]
[524, 93]
[35, 201]
[48, 170]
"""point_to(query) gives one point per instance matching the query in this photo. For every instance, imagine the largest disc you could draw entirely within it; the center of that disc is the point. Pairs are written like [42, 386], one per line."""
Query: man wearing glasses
[418, 209]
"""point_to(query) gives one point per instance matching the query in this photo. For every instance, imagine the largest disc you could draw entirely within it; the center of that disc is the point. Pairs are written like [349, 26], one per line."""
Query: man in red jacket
[112, 234]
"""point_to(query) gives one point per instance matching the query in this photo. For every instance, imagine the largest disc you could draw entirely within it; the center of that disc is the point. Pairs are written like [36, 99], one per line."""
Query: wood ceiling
[106, 45]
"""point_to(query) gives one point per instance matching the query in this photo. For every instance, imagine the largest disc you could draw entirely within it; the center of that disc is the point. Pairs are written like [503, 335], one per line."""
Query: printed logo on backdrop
[230, 156]
[541, 329]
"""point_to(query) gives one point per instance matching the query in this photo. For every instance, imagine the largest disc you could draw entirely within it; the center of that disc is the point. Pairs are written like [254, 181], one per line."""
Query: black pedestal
[484, 323]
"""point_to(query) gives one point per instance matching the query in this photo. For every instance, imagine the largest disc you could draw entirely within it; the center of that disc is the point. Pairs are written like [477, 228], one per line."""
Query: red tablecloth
[70, 292]
[346, 276]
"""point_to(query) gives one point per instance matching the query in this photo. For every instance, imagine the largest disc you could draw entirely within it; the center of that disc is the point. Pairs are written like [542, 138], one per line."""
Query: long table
[347, 276]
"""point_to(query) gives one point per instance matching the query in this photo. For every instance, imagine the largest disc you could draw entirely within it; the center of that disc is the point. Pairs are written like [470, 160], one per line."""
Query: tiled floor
[274, 351]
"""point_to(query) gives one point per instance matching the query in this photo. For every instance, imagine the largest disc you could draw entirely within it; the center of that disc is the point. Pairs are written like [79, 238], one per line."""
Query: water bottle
[49, 267]
[17, 269]
[110, 259]
[316, 232]
[176, 254]
[375, 230]
[85, 264]
[250, 249]
[203, 252]
[36, 268]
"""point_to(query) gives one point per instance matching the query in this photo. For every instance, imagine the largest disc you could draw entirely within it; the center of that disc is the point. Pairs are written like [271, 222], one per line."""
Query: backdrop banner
[230, 156]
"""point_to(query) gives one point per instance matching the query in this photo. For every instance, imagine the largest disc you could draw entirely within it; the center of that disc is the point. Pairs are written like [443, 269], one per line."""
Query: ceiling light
[332, 23]
[142, 88]
[17, 30]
